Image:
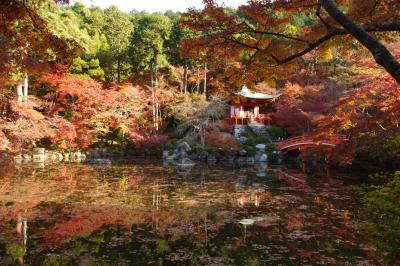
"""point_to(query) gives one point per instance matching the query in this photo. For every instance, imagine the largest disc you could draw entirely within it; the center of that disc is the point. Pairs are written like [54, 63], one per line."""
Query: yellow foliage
[327, 54]
[123, 129]
[290, 30]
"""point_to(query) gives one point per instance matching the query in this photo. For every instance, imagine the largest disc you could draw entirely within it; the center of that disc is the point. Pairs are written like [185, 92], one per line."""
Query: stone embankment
[41, 155]
[183, 154]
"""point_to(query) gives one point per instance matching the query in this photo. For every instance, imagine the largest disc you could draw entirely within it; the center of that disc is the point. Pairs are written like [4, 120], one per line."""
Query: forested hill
[111, 40]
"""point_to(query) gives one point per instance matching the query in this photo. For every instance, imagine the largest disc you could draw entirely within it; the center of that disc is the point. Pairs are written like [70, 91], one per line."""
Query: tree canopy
[26, 42]
[148, 41]
[265, 34]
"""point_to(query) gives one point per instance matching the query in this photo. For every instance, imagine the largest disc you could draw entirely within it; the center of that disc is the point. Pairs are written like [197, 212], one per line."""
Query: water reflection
[147, 213]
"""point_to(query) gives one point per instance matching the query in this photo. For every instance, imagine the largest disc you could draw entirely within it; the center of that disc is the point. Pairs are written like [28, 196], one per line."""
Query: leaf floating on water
[264, 218]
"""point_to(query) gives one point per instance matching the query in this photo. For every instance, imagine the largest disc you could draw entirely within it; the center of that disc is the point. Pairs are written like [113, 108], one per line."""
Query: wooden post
[256, 111]
[232, 111]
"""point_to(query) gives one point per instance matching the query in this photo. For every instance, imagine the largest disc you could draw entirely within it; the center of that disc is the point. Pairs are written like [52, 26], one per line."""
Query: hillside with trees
[313, 53]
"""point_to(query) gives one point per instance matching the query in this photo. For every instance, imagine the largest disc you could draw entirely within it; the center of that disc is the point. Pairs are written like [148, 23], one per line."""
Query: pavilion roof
[247, 93]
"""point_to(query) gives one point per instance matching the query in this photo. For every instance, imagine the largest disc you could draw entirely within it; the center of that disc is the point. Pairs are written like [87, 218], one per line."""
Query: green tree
[173, 46]
[148, 40]
[118, 29]
[85, 27]
[148, 51]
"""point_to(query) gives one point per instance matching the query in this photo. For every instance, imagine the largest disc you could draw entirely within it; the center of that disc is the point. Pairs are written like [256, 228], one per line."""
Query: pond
[147, 213]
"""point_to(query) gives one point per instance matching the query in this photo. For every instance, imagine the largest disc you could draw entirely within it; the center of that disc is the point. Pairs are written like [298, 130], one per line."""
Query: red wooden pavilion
[246, 107]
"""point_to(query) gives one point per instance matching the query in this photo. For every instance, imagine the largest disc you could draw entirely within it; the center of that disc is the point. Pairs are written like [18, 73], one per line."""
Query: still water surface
[146, 213]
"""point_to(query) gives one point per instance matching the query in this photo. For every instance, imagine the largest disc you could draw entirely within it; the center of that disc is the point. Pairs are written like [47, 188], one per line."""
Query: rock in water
[242, 153]
[261, 157]
[183, 146]
[211, 158]
[261, 147]
[27, 156]
[185, 163]
[99, 161]
[180, 156]
[39, 157]
[38, 151]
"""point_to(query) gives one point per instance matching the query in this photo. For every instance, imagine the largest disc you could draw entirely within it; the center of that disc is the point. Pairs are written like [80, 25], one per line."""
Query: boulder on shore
[179, 156]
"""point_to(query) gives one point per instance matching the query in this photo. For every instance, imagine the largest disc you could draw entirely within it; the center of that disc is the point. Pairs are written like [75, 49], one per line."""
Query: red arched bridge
[305, 142]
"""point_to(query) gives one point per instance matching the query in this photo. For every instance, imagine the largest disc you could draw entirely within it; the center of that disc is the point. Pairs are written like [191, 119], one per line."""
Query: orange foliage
[299, 108]
[263, 42]
[215, 138]
[28, 126]
[46, 50]
[96, 110]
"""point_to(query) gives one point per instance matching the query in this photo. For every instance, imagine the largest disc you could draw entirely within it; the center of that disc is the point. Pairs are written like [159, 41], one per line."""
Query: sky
[155, 5]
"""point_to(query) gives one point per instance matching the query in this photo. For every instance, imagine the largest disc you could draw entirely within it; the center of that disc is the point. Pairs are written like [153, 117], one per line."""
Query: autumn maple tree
[26, 43]
[264, 34]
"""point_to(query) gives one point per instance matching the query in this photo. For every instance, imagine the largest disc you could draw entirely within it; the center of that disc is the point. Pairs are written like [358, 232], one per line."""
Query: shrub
[250, 149]
[376, 153]
[382, 226]
[262, 140]
[69, 115]
[273, 157]
[27, 126]
[214, 138]
[250, 142]
[212, 150]
[171, 144]
[271, 147]
[275, 132]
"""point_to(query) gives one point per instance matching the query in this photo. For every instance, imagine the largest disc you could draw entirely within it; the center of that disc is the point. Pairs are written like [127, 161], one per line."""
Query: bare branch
[276, 34]
[242, 43]
[337, 32]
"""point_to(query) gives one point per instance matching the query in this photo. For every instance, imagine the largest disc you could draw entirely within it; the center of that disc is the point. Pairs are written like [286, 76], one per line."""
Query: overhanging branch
[276, 34]
[395, 26]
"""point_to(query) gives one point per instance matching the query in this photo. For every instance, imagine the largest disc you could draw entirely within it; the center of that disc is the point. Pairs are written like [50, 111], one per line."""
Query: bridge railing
[294, 140]
[308, 140]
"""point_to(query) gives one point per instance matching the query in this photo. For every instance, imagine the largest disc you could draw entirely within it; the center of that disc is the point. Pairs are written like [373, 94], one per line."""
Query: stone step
[259, 130]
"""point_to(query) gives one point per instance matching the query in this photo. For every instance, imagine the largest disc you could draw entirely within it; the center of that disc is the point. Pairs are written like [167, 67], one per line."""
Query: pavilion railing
[247, 119]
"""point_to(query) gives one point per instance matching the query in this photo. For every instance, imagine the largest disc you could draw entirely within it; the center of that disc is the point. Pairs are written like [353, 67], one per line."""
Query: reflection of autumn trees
[66, 204]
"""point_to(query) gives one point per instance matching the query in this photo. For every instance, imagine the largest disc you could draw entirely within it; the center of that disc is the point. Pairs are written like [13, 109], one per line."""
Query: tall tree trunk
[205, 79]
[119, 68]
[26, 85]
[20, 92]
[381, 54]
[157, 106]
[153, 96]
[185, 78]
[198, 80]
